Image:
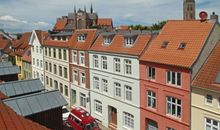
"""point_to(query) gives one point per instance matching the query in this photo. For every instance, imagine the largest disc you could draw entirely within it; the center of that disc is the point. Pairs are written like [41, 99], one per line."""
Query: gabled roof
[5, 64]
[60, 24]
[24, 41]
[41, 35]
[117, 44]
[104, 22]
[56, 43]
[35, 103]
[9, 70]
[21, 87]
[9, 120]
[91, 35]
[193, 33]
[209, 73]
[27, 55]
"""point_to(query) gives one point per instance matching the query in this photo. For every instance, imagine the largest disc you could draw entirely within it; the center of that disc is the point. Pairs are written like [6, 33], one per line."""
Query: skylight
[107, 40]
[81, 38]
[129, 41]
[182, 45]
[164, 44]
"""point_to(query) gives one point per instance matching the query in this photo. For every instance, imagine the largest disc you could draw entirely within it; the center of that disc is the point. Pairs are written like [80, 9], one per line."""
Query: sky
[26, 15]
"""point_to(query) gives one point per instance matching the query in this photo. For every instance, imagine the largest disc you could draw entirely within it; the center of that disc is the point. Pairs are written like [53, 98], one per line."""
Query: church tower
[189, 9]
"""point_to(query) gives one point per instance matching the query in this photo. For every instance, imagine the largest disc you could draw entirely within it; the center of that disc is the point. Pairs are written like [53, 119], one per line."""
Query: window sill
[152, 109]
[173, 117]
[172, 85]
[98, 113]
[127, 128]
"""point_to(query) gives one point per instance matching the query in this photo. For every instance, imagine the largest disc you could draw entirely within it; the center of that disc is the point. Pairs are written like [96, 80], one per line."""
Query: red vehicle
[79, 119]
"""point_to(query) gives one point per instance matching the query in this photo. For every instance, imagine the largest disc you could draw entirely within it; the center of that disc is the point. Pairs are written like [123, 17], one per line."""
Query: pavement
[103, 127]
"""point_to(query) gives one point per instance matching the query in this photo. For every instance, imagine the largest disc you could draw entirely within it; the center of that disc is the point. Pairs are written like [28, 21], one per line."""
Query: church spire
[91, 9]
[84, 9]
[189, 9]
[74, 9]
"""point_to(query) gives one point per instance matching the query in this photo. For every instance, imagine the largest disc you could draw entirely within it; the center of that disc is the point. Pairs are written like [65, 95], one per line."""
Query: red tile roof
[56, 43]
[60, 24]
[193, 33]
[90, 37]
[7, 51]
[9, 120]
[27, 55]
[209, 71]
[42, 35]
[117, 45]
[4, 43]
[24, 41]
[104, 22]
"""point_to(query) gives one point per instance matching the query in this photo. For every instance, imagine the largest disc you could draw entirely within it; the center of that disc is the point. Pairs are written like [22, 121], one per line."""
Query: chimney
[214, 17]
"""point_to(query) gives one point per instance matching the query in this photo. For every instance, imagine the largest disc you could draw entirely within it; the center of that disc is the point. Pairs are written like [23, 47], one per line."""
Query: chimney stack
[214, 17]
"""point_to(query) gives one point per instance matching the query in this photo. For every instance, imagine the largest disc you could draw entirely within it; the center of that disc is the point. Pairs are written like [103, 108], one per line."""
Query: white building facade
[115, 90]
[37, 55]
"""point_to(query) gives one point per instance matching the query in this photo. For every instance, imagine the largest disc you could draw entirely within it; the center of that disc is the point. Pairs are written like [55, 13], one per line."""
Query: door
[114, 115]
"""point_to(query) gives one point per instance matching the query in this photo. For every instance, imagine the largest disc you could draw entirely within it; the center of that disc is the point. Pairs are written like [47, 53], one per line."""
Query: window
[33, 48]
[211, 124]
[64, 55]
[82, 58]
[151, 99]
[65, 72]
[107, 40]
[37, 75]
[47, 80]
[219, 102]
[173, 106]
[40, 49]
[164, 44]
[45, 51]
[66, 90]
[55, 84]
[117, 64]
[182, 45]
[96, 83]
[75, 76]
[174, 78]
[33, 61]
[61, 87]
[168, 128]
[49, 52]
[50, 67]
[51, 84]
[37, 49]
[105, 85]
[83, 78]
[98, 106]
[151, 73]
[127, 67]
[129, 41]
[128, 93]
[42, 78]
[128, 120]
[95, 61]
[104, 62]
[60, 71]
[117, 89]
[60, 54]
[74, 56]
[46, 65]
[55, 69]
[82, 100]
[81, 38]
[209, 98]
[37, 62]
[41, 63]
[54, 53]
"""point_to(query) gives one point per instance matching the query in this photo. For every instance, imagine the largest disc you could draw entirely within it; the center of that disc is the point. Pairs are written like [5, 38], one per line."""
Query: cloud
[11, 23]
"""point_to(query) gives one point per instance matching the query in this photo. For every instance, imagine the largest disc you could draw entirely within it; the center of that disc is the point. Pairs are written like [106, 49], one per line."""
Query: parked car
[79, 119]
[65, 113]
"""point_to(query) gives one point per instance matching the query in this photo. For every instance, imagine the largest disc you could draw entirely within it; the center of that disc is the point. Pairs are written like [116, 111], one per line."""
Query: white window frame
[117, 65]
[98, 106]
[82, 97]
[211, 124]
[169, 104]
[105, 85]
[96, 83]
[104, 63]
[208, 101]
[107, 40]
[82, 58]
[129, 41]
[168, 128]
[95, 61]
[128, 120]
[117, 89]
[128, 93]
[74, 57]
[82, 78]
[151, 95]
[41, 63]
[151, 73]
[128, 67]
[170, 73]
[75, 76]
[81, 38]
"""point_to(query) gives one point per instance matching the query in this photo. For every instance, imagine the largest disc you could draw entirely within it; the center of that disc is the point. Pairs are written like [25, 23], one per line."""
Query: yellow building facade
[20, 65]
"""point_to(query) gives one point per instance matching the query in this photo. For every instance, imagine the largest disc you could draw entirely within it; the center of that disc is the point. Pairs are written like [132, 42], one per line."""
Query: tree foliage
[155, 26]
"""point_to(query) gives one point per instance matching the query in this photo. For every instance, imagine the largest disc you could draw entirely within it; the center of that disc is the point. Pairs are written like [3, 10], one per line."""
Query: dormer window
[129, 41]
[107, 40]
[81, 38]
[164, 44]
[182, 45]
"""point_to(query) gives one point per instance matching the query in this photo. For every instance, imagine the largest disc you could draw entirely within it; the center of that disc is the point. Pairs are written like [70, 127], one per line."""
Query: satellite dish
[203, 15]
